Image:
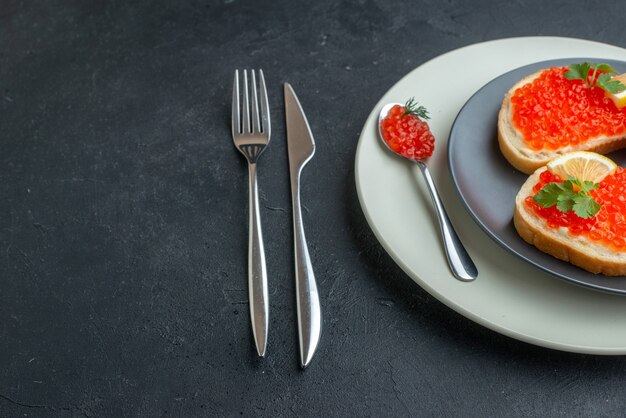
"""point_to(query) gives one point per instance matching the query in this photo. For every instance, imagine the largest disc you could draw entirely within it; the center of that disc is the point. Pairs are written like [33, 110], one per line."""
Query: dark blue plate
[488, 184]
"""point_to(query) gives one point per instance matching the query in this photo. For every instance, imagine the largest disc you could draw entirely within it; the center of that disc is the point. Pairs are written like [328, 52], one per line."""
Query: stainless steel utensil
[251, 137]
[461, 264]
[301, 147]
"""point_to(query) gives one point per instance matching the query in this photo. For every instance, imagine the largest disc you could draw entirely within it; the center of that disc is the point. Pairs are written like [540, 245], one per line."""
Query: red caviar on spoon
[406, 131]
[403, 132]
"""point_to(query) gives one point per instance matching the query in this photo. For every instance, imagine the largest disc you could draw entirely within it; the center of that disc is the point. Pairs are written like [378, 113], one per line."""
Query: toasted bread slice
[527, 160]
[558, 242]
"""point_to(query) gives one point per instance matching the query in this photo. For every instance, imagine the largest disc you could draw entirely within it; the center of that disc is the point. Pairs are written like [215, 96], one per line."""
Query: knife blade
[301, 147]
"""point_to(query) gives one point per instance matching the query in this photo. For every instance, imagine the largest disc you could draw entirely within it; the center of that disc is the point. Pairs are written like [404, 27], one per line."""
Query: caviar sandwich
[574, 209]
[562, 109]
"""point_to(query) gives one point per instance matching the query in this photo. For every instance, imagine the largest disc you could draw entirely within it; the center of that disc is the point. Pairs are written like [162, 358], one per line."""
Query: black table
[123, 217]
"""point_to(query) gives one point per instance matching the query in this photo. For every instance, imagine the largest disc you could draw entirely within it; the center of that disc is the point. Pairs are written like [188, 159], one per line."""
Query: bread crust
[558, 242]
[527, 160]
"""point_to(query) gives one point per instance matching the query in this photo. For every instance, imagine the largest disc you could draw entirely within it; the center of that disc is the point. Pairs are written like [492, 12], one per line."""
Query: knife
[301, 146]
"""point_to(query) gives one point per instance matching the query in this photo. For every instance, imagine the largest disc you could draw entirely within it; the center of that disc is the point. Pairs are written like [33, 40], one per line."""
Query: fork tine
[246, 105]
[235, 121]
[265, 109]
[255, 106]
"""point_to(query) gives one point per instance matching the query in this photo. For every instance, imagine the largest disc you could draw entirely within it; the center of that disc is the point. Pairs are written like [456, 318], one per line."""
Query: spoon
[462, 266]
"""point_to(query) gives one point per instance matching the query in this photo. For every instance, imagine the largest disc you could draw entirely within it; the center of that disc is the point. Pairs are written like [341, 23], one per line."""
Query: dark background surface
[123, 225]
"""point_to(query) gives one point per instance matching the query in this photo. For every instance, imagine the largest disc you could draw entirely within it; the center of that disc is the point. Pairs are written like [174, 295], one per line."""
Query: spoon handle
[461, 264]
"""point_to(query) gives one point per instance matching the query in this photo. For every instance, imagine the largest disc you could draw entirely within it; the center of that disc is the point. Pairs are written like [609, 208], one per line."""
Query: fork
[251, 138]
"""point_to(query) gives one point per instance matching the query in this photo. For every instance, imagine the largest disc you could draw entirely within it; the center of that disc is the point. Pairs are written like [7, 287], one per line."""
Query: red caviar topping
[407, 134]
[552, 112]
[607, 227]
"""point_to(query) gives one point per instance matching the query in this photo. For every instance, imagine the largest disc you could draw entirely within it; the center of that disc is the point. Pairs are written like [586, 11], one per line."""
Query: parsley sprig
[601, 76]
[568, 198]
[411, 107]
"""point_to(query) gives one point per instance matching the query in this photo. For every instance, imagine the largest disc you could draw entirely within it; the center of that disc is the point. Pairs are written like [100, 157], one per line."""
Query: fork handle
[257, 272]
[307, 297]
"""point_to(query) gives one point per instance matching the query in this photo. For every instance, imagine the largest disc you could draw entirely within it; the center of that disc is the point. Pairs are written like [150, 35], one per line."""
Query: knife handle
[307, 297]
[257, 272]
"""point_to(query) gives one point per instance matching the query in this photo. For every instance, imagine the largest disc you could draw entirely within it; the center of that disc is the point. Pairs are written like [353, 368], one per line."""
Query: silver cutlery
[251, 134]
[461, 264]
[301, 147]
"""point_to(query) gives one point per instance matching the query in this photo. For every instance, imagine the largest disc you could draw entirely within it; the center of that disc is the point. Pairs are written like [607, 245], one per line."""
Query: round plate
[473, 153]
[509, 296]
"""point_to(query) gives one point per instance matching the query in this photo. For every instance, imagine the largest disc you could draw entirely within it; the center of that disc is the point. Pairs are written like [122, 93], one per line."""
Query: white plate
[509, 296]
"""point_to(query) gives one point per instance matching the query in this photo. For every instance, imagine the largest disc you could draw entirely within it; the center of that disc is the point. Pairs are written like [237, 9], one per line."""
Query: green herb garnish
[411, 108]
[567, 199]
[601, 76]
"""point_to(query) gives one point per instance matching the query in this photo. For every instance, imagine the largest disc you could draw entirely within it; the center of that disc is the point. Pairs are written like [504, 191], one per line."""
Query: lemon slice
[618, 98]
[583, 165]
